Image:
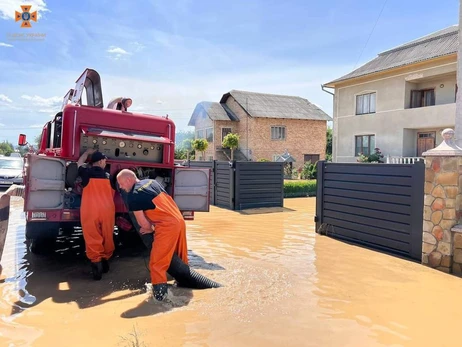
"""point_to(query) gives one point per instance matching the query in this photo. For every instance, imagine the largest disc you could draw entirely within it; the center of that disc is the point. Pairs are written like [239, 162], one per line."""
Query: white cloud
[4, 98]
[160, 102]
[117, 50]
[8, 8]
[3, 44]
[48, 103]
[36, 126]
[2, 125]
[117, 53]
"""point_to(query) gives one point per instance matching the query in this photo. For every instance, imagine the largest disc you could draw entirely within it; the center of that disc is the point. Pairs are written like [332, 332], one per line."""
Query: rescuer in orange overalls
[97, 212]
[155, 211]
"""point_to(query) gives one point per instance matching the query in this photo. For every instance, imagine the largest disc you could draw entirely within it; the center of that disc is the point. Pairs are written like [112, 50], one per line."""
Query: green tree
[200, 145]
[231, 141]
[329, 144]
[6, 148]
[187, 146]
[183, 135]
[180, 153]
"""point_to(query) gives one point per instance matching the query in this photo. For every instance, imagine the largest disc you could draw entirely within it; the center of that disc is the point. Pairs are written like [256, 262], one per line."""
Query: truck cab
[140, 142]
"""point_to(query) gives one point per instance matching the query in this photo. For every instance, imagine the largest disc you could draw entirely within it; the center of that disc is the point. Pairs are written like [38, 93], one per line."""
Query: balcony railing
[402, 160]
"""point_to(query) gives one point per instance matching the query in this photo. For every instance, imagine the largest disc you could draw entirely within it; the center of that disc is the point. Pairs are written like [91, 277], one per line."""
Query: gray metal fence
[239, 185]
[259, 184]
[377, 205]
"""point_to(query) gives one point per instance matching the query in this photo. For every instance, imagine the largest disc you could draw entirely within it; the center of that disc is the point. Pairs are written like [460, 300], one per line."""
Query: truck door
[192, 189]
[45, 182]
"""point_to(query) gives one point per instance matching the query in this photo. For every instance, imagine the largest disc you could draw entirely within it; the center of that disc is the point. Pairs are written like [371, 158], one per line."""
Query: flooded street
[284, 285]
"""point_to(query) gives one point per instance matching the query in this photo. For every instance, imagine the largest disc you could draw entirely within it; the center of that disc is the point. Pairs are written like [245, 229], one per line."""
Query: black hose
[181, 272]
[187, 277]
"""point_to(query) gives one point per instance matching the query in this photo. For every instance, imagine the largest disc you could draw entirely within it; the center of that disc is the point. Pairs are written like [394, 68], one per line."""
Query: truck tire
[41, 236]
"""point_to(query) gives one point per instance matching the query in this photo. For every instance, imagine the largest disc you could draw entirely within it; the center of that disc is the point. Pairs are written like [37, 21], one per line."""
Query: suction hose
[181, 272]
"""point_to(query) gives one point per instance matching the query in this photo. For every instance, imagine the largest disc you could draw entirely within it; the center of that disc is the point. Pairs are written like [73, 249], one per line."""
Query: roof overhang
[376, 74]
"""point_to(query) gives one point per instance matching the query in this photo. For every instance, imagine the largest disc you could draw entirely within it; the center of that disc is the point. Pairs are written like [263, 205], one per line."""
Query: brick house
[268, 126]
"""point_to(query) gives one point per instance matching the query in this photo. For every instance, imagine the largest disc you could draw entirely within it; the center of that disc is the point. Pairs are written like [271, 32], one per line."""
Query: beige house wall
[394, 124]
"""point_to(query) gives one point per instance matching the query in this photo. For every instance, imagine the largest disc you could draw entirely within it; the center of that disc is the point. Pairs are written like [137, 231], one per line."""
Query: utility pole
[458, 123]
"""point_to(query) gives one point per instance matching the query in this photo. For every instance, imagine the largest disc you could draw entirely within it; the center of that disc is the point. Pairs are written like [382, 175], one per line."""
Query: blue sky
[168, 55]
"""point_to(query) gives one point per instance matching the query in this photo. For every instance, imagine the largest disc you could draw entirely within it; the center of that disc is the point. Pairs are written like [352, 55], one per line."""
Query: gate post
[442, 203]
[318, 218]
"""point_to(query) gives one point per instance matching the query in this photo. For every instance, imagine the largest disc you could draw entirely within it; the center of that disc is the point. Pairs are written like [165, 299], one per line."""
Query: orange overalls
[169, 237]
[97, 216]
[170, 228]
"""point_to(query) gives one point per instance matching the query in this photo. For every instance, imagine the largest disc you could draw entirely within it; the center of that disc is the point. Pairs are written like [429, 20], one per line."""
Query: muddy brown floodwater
[284, 286]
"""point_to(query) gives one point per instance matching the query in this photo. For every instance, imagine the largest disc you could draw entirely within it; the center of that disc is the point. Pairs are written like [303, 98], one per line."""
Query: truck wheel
[42, 236]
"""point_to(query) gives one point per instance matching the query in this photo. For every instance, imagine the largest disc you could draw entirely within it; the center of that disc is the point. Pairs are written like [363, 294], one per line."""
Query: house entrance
[425, 142]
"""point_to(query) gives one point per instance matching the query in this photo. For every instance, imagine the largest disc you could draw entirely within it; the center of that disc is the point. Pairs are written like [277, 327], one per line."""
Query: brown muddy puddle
[284, 286]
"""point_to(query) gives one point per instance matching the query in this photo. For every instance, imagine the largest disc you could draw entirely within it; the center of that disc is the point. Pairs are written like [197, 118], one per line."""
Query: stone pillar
[442, 202]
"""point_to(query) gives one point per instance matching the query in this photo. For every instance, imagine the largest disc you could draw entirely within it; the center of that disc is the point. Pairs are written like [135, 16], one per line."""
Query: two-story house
[268, 126]
[399, 102]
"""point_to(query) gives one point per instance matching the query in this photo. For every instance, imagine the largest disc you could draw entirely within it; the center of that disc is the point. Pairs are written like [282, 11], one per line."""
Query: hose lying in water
[181, 272]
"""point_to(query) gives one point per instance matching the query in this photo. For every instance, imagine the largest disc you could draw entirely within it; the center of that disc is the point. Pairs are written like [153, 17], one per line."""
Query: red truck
[141, 142]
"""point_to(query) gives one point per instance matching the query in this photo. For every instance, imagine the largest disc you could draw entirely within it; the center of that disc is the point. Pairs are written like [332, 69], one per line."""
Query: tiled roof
[437, 44]
[214, 110]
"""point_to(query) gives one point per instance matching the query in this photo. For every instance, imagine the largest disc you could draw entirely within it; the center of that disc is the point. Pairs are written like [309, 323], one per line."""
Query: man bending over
[155, 211]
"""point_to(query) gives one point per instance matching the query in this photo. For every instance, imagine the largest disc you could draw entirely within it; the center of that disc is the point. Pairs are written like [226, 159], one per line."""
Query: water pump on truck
[140, 142]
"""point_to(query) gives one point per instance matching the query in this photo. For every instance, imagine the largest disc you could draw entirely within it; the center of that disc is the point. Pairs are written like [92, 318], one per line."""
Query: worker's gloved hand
[160, 291]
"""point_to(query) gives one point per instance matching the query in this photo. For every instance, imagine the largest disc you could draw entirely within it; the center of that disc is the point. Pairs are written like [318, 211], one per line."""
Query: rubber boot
[97, 269]
[105, 264]
[160, 291]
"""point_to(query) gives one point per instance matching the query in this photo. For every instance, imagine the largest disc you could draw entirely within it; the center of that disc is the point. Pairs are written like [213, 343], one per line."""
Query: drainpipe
[334, 128]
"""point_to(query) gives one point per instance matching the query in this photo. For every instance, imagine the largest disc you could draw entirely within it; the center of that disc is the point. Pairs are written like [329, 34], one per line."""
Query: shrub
[303, 188]
[309, 171]
[375, 157]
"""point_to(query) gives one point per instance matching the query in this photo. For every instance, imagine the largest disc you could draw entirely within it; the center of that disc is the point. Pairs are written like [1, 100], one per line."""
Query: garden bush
[300, 188]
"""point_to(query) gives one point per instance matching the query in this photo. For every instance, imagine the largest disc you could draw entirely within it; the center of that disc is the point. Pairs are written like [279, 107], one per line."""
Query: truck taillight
[188, 215]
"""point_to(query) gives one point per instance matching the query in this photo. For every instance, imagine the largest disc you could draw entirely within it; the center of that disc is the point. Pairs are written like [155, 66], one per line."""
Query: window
[278, 133]
[209, 134]
[364, 144]
[365, 103]
[199, 134]
[422, 98]
[313, 158]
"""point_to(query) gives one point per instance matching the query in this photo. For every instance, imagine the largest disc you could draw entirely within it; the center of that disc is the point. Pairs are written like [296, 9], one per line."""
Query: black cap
[97, 156]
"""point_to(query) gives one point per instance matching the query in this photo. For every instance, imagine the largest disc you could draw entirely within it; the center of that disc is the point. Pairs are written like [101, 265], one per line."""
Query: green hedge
[300, 188]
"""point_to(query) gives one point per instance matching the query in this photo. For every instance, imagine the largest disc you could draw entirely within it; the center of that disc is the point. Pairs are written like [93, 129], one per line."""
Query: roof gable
[276, 106]
[214, 110]
[441, 43]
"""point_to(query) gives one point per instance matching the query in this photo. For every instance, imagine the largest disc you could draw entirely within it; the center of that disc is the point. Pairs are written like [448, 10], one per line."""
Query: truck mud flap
[181, 272]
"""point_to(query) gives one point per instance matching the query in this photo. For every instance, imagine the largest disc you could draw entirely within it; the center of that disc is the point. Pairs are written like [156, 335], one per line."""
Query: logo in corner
[26, 16]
